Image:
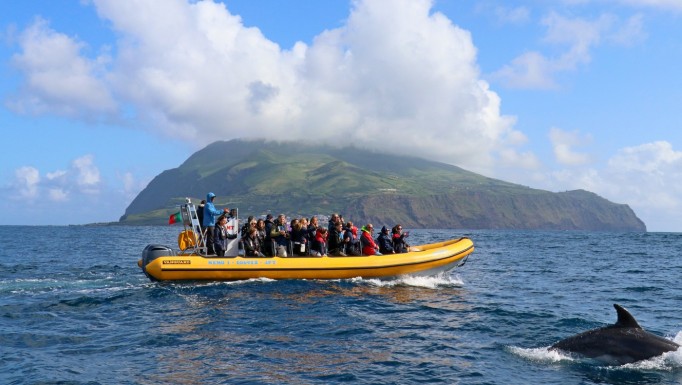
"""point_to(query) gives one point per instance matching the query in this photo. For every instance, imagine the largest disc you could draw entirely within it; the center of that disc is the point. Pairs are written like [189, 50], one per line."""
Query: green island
[260, 177]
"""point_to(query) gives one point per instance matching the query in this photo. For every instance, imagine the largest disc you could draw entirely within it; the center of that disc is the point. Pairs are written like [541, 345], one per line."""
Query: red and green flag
[177, 217]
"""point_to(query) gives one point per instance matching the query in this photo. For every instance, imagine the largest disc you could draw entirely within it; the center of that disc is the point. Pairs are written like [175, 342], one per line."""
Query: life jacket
[368, 245]
[186, 240]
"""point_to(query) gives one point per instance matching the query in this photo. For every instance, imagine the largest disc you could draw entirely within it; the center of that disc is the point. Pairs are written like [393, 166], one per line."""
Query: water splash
[678, 338]
[668, 361]
[542, 354]
[430, 282]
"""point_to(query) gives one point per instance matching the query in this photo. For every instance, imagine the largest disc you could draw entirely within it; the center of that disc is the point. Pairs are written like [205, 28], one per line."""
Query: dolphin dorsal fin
[625, 319]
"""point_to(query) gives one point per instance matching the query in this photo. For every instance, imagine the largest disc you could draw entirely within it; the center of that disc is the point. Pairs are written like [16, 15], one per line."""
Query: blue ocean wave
[76, 313]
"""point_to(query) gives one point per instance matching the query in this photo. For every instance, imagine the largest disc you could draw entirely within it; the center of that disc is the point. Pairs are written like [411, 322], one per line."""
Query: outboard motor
[150, 253]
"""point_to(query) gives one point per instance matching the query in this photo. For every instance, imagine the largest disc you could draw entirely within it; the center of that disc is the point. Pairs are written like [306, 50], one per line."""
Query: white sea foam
[668, 361]
[431, 282]
[238, 282]
[542, 354]
[678, 338]
[22, 285]
[109, 289]
[263, 280]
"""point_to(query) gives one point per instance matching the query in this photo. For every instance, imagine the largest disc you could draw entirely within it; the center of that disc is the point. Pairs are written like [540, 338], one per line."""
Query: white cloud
[563, 143]
[401, 78]
[647, 177]
[57, 195]
[58, 79]
[504, 15]
[74, 195]
[578, 34]
[83, 177]
[578, 37]
[528, 70]
[86, 174]
[55, 175]
[511, 159]
[631, 32]
[128, 180]
[26, 181]
[130, 185]
[516, 15]
[657, 158]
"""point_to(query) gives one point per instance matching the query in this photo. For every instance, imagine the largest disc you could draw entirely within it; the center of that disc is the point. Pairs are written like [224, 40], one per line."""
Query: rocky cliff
[260, 177]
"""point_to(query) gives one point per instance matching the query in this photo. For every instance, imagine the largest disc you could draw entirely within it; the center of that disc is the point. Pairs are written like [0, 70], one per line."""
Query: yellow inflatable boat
[162, 264]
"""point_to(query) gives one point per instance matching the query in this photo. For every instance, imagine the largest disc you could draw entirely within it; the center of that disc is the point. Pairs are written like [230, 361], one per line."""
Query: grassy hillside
[260, 177]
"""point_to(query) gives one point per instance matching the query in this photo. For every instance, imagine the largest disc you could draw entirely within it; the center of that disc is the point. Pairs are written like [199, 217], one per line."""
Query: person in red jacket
[368, 245]
[319, 243]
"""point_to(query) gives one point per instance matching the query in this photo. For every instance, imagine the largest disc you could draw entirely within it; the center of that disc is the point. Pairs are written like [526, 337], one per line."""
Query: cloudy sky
[100, 96]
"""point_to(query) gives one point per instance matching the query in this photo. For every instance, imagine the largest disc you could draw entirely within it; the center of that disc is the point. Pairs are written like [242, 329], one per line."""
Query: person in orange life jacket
[210, 213]
[220, 236]
[368, 245]
[385, 242]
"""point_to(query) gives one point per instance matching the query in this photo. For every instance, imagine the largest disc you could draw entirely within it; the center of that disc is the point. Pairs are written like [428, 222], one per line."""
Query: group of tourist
[299, 237]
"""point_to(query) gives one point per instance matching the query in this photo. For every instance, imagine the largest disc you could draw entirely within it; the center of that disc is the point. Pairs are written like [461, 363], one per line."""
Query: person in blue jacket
[210, 214]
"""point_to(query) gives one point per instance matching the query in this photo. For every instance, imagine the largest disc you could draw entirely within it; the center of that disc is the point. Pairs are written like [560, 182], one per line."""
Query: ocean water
[76, 309]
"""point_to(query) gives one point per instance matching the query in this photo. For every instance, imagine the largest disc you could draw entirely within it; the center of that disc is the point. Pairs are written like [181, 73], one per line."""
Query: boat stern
[152, 252]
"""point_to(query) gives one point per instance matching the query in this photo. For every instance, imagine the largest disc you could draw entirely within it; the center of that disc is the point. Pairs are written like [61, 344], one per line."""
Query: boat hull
[422, 260]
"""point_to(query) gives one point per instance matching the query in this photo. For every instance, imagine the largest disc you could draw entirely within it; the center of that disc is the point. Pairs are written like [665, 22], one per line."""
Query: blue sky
[100, 96]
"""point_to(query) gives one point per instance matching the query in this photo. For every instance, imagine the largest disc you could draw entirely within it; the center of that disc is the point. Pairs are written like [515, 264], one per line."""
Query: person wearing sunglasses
[398, 238]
